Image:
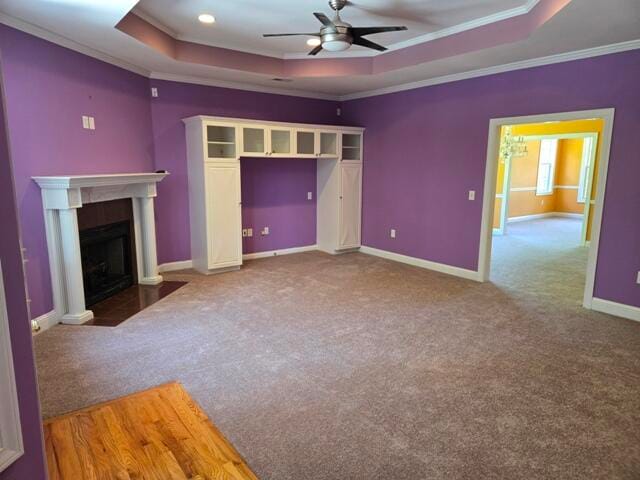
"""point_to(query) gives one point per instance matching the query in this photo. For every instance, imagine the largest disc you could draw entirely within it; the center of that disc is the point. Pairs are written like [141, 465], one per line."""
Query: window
[546, 166]
[585, 168]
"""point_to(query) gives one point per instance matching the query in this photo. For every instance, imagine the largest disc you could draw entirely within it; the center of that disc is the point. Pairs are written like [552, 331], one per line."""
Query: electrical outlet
[265, 231]
[309, 195]
[249, 232]
[392, 233]
[244, 232]
[154, 92]
[472, 194]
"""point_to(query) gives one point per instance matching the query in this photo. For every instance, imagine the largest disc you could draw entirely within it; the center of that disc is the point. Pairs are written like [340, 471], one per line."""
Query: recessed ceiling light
[206, 18]
[313, 42]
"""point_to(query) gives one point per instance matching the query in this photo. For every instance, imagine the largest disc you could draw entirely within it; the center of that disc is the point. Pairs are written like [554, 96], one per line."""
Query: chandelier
[512, 146]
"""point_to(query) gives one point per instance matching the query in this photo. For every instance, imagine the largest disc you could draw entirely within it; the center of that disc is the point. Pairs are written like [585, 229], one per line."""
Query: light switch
[244, 232]
[154, 92]
[249, 232]
[85, 122]
[638, 279]
[92, 123]
[392, 233]
[265, 231]
[309, 195]
[472, 194]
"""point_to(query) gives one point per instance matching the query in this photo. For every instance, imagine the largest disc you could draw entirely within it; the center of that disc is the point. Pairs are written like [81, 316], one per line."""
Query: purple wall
[425, 148]
[274, 194]
[48, 90]
[177, 101]
[31, 464]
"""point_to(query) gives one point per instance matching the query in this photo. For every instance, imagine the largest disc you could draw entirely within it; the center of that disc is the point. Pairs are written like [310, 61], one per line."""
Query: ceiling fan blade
[324, 19]
[363, 42]
[362, 31]
[289, 34]
[316, 50]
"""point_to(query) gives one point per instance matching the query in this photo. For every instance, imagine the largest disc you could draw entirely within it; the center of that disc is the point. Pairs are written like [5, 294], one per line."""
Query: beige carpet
[353, 367]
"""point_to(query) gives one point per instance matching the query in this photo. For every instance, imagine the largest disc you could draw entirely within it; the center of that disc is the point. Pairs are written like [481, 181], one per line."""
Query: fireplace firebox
[107, 264]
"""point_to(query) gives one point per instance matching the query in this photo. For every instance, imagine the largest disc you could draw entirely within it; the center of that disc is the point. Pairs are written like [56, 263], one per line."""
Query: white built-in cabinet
[215, 147]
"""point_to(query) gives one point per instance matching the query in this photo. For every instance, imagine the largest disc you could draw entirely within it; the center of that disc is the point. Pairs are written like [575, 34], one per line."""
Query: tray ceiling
[240, 23]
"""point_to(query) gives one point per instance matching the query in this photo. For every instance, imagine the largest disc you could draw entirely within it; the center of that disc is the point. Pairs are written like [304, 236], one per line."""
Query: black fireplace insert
[106, 260]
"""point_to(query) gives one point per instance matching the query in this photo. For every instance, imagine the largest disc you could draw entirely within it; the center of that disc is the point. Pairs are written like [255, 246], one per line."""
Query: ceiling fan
[336, 35]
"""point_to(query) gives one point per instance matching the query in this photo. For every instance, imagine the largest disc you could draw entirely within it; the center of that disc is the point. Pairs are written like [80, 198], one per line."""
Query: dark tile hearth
[125, 304]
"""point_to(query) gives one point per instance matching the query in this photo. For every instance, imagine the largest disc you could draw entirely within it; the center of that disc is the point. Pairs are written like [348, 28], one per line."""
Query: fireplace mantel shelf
[62, 195]
[83, 181]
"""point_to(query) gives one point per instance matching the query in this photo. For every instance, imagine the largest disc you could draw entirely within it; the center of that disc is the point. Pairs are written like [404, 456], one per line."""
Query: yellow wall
[524, 174]
[524, 171]
[568, 175]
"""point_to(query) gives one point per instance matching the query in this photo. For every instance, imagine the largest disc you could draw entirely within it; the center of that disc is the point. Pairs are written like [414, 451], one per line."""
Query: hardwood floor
[125, 304]
[157, 434]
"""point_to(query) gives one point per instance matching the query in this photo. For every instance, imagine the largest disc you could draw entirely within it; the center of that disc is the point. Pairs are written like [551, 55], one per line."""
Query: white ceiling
[241, 23]
[88, 26]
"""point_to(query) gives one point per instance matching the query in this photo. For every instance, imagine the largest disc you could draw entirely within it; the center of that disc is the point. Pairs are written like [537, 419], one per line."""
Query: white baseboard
[274, 253]
[419, 262]
[47, 320]
[172, 266]
[535, 216]
[617, 309]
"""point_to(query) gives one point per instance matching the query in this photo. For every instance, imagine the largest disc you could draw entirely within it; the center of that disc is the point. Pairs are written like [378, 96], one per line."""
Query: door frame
[11, 446]
[488, 203]
[508, 165]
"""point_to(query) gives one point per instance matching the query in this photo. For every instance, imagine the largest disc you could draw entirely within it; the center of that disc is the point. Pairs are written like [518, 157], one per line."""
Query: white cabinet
[306, 143]
[220, 141]
[339, 186]
[214, 195]
[328, 144]
[223, 215]
[265, 141]
[215, 147]
[254, 141]
[350, 200]
[280, 142]
[352, 147]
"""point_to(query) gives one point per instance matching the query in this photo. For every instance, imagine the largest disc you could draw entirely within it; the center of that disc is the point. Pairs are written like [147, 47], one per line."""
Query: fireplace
[107, 248]
[75, 203]
[107, 266]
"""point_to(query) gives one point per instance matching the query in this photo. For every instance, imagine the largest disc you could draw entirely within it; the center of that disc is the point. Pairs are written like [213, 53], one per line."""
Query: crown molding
[70, 44]
[212, 82]
[508, 67]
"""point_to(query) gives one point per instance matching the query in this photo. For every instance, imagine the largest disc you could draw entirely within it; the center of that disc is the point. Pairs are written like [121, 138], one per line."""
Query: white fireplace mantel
[61, 197]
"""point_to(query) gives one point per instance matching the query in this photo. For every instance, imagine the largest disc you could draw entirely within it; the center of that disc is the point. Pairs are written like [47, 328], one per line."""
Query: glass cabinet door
[306, 143]
[281, 142]
[253, 141]
[351, 149]
[328, 144]
[221, 141]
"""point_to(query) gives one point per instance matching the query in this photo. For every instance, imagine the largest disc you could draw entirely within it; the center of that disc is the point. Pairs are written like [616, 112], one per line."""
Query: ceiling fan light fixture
[336, 45]
[206, 18]
[314, 42]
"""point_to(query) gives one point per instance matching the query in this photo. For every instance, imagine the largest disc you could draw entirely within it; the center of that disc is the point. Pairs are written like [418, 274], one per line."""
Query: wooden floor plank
[157, 434]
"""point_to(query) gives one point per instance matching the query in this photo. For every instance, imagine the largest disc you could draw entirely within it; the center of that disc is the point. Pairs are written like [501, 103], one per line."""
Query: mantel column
[148, 232]
[76, 311]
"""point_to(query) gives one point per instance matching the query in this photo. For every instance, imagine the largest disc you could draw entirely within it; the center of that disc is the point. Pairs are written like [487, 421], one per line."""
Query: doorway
[593, 158]
[547, 175]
